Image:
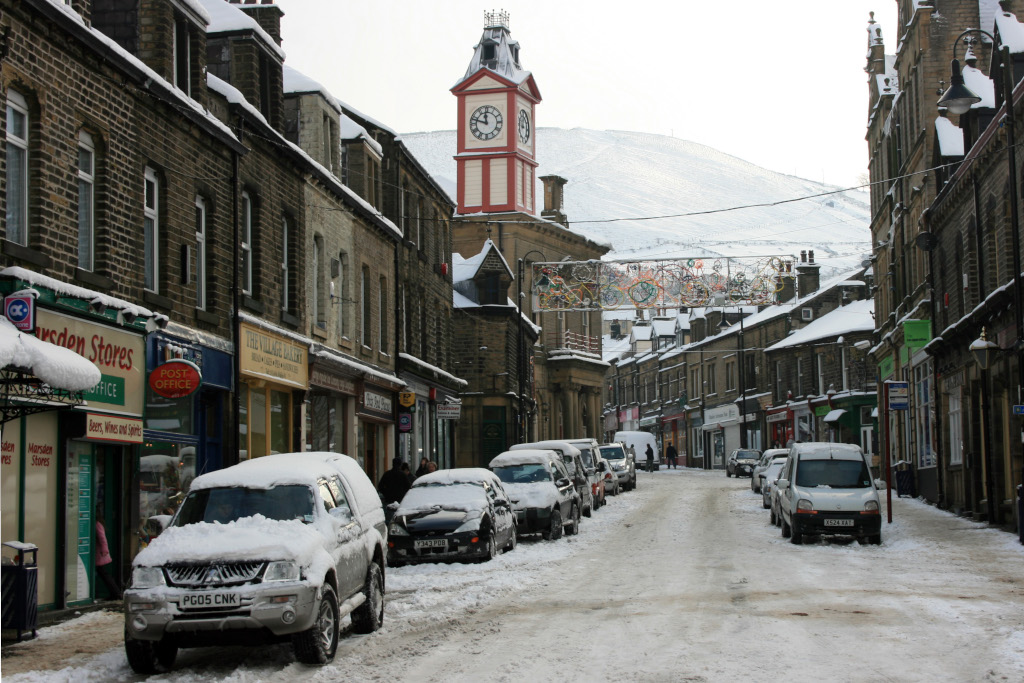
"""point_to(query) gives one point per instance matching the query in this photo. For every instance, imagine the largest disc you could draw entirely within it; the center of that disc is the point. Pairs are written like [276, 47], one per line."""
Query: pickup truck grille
[212, 575]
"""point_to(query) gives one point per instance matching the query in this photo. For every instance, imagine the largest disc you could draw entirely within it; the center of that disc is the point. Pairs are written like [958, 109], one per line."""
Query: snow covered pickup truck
[273, 549]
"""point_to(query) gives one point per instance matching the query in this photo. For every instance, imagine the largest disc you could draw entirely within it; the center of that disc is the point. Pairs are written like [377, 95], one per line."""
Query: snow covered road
[683, 579]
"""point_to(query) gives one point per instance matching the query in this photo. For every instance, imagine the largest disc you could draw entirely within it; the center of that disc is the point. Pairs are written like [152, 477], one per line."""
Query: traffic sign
[20, 309]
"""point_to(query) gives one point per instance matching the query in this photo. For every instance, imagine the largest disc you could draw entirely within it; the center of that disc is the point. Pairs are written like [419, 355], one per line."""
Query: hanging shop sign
[175, 379]
[406, 399]
[449, 411]
[21, 311]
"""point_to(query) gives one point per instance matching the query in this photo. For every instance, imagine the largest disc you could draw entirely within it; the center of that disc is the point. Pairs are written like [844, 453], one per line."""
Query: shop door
[211, 424]
[493, 433]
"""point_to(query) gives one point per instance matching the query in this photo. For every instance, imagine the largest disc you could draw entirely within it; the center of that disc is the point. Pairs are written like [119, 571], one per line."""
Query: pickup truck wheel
[369, 616]
[148, 656]
[317, 644]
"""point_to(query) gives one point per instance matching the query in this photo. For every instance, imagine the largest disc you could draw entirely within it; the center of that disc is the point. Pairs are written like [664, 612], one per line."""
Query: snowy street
[683, 579]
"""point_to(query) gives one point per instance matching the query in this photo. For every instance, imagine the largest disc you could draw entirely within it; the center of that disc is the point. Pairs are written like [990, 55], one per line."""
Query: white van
[827, 489]
[638, 442]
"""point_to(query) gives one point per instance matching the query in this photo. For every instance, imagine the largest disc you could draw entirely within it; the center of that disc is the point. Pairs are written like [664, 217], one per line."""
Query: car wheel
[492, 548]
[785, 528]
[589, 510]
[771, 516]
[875, 539]
[317, 644]
[369, 616]
[764, 504]
[554, 531]
[512, 539]
[573, 527]
[727, 472]
[795, 537]
[149, 656]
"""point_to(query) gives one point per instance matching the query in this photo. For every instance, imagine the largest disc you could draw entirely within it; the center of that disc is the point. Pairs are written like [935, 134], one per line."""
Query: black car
[741, 462]
[460, 514]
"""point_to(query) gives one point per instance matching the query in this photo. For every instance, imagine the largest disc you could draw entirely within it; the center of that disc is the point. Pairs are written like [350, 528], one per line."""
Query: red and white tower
[496, 160]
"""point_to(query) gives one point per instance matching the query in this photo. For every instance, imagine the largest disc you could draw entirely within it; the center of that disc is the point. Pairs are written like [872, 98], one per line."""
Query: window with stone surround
[246, 244]
[151, 231]
[86, 201]
[17, 168]
[200, 270]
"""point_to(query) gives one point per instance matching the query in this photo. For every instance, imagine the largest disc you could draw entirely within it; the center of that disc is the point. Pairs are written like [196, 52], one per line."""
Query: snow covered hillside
[631, 190]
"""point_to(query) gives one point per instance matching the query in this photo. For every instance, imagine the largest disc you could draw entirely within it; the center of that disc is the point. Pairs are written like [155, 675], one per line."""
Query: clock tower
[496, 99]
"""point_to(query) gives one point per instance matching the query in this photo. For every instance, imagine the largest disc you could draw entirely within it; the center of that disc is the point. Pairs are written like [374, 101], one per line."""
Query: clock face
[485, 123]
[524, 126]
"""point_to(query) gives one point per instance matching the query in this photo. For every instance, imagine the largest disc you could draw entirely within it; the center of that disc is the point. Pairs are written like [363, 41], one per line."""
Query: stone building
[497, 99]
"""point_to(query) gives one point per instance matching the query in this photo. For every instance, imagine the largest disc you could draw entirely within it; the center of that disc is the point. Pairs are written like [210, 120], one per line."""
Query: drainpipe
[236, 302]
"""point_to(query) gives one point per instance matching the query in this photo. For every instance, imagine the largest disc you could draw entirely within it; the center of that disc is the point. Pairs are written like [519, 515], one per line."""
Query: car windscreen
[227, 504]
[747, 455]
[522, 474]
[838, 474]
[612, 453]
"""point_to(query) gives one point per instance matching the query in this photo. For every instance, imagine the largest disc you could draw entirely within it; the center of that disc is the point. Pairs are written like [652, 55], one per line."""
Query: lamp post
[520, 350]
[958, 99]
[983, 350]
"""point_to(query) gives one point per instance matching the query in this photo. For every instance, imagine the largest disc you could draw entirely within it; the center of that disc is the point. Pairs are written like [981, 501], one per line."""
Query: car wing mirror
[562, 483]
[782, 483]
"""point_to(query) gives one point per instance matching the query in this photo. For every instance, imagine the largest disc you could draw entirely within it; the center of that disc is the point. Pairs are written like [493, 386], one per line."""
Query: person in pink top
[103, 559]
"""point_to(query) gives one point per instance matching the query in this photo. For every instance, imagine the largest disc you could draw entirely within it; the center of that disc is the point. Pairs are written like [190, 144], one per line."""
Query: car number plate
[838, 522]
[193, 600]
[431, 543]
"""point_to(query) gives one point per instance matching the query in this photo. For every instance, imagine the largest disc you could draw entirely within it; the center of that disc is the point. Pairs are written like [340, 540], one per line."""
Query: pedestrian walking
[423, 468]
[650, 458]
[671, 454]
[104, 560]
[394, 484]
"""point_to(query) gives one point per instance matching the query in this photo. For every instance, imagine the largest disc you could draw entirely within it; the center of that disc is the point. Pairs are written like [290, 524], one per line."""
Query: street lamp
[521, 351]
[983, 350]
[958, 99]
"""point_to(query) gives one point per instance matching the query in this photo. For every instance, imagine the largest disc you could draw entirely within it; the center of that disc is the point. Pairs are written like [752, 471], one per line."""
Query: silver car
[622, 463]
[766, 459]
[279, 548]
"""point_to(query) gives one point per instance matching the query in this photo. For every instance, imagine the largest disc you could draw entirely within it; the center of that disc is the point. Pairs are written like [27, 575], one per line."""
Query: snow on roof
[982, 85]
[349, 129]
[466, 268]
[267, 472]
[432, 368]
[505, 56]
[68, 290]
[1011, 32]
[854, 317]
[612, 349]
[459, 475]
[57, 366]
[227, 18]
[641, 332]
[369, 119]
[296, 82]
[951, 137]
[664, 328]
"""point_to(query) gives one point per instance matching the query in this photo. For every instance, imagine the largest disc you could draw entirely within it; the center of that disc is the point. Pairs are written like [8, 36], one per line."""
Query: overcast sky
[780, 83]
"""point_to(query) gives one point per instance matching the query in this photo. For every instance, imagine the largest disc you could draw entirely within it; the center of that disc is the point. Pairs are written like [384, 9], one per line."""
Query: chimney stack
[553, 193]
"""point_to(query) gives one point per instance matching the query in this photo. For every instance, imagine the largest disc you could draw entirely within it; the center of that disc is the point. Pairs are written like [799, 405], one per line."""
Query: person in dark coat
[423, 468]
[671, 454]
[394, 484]
[650, 458]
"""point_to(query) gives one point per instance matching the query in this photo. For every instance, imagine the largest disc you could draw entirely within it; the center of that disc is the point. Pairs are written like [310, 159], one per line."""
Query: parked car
[622, 463]
[741, 462]
[774, 515]
[591, 454]
[459, 514]
[768, 477]
[766, 459]
[542, 494]
[611, 479]
[272, 549]
[639, 441]
[584, 479]
[827, 489]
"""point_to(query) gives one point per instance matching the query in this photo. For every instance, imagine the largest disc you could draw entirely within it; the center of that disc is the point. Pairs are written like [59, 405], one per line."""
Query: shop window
[257, 424]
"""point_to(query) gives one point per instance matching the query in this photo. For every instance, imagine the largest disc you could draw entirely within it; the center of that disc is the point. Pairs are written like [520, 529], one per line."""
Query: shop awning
[834, 415]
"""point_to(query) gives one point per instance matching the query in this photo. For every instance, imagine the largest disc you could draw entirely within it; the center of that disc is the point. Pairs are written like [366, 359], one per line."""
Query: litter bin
[20, 594]
[905, 480]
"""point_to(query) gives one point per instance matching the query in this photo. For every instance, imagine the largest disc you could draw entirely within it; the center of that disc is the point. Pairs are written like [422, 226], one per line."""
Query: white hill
[654, 197]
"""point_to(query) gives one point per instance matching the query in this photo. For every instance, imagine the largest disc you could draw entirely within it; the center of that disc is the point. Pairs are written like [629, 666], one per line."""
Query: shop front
[69, 470]
[422, 433]
[722, 427]
[188, 389]
[330, 404]
[375, 414]
[695, 446]
[780, 426]
[273, 374]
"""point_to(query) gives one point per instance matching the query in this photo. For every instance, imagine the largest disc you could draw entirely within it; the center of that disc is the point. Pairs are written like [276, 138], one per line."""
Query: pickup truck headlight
[147, 577]
[282, 571]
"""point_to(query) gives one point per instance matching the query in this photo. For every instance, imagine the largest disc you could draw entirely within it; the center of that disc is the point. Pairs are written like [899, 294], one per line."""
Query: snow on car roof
[525, 456]
[459, 475]
[268, 471]
[826, 450]
[465, 496]
[550, 444]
